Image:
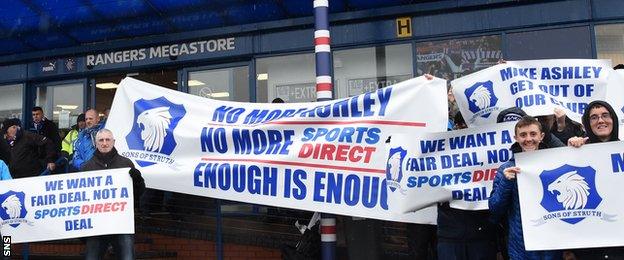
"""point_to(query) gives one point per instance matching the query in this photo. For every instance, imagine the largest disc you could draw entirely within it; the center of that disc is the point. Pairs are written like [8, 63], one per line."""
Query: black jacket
[113, 160]
[49, 130]
[24, 154]
[602, 252]
[464, 225]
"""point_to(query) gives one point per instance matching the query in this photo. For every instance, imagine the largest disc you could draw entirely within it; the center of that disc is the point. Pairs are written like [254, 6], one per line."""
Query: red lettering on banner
[487, 175]
[341, 152]
[103, 207]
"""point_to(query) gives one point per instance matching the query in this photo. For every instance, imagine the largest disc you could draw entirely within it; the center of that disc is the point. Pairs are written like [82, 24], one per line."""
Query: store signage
[48, 66]
[292, 93]
[404, 27]
[360, 86]
[162, 51]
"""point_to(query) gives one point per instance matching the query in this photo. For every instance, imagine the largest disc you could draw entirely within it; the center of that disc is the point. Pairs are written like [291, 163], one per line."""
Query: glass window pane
[291, 78]
[610, 42]
[11, 101]
[357, 71]
[450, 59]
[231, 84]
[61, 103]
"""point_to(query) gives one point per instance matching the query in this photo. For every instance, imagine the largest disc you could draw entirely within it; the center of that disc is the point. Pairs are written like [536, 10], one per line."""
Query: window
[450, 59]
[291, 78]
[610, 42]
[230, 84]
[357, 71]
[11, 101]
[61, 103]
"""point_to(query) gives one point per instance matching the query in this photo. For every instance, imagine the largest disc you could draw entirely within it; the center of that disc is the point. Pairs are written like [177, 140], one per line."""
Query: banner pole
[324, 91]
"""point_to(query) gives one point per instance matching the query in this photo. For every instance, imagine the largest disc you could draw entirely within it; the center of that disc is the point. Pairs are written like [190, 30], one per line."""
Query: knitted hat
[10, 122]
[81, 118]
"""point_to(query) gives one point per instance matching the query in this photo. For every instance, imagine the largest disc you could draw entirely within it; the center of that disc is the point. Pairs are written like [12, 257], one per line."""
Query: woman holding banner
[600, 121]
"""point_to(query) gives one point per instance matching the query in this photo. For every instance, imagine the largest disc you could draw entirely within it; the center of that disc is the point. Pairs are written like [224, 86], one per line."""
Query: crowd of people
[495, 233]
[40, 150]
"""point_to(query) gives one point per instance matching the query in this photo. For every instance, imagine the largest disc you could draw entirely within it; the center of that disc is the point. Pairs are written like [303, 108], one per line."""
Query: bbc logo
[6, 245]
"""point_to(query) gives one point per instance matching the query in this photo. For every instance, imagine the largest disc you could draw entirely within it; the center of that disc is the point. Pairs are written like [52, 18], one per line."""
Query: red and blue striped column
[324, 89]
[322, 51]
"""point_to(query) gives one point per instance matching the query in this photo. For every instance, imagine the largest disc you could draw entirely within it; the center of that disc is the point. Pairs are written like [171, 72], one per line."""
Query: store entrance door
[62, 102]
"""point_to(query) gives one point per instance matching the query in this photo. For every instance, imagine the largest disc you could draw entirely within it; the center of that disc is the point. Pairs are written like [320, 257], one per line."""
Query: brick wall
[149, 245]
[200, 249]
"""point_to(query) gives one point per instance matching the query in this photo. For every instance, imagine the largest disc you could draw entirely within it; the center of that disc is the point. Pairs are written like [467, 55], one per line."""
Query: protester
[464, 234]
[504, 200]
[84, 147]
[4, 172]
[67, 146]
[23, 150]
[106, 157]
[43, 126]
[515, 114]
[600, 121]
[564, 128]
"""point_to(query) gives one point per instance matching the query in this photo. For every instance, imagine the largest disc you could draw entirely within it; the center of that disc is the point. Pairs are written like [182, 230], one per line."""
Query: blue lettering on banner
[430, 146]
[240, 178]
[474, 194]
[439, 180]
[578, 72]
[617, 161]
[78, 224]
[212, 139]
[295, 177]
[261, 141]
[459, 160]
[343, 135]
[57, 212]
[85, 182]
[351, 190]
[472, 140]
[367, 105]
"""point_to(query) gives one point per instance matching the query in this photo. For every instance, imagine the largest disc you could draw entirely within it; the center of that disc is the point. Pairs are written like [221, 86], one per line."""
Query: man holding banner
[505, 200]
[600, 121]
[106, 157]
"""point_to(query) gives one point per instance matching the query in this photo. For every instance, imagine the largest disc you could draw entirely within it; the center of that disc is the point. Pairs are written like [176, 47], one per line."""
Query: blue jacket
[85, 145]
[504, 202]
[4, 172]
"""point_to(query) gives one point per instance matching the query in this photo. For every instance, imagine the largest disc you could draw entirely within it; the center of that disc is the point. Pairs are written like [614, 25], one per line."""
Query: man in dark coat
[23, 150]
[106, 157]
[43, 126]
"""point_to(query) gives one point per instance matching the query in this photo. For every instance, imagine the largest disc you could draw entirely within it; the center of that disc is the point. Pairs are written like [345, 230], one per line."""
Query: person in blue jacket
[85, 144]
[4, 172]
[504, 200]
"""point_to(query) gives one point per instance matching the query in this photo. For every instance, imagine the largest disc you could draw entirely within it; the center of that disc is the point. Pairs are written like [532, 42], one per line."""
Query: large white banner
[615, 97]
[325, 156]
[536, 86]
[67, 206]
[572, 197]
[456, 166]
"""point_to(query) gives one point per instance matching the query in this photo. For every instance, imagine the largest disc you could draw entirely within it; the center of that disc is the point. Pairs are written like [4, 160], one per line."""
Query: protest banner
[324, 156]
[615, 97]
[456, 166]
[536, 86]
[571, 197]
[67, 206]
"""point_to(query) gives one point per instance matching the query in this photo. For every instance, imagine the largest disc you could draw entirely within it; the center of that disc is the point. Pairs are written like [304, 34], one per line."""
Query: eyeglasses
[604, 116]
